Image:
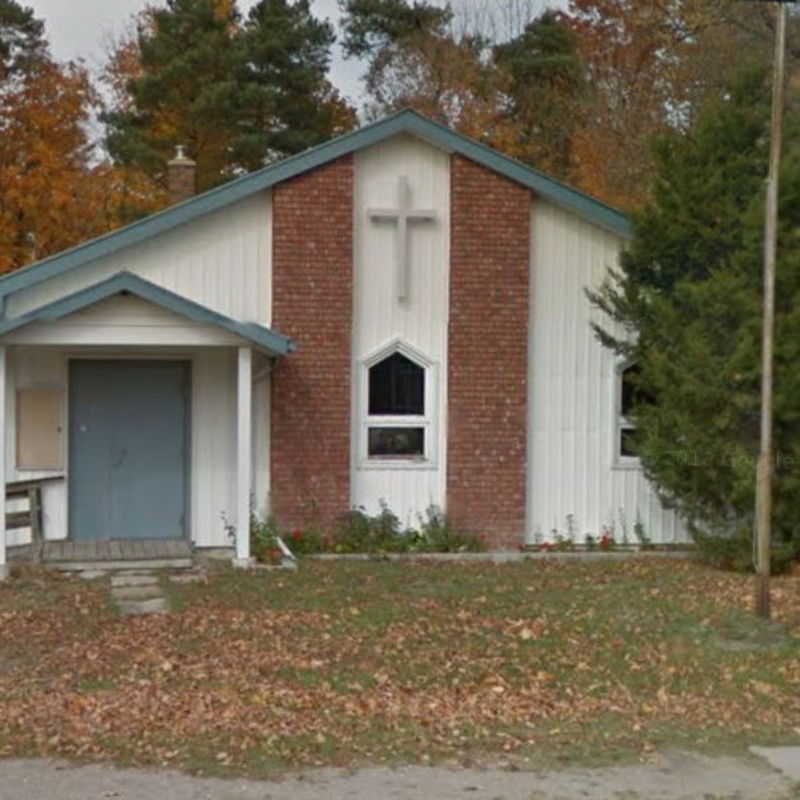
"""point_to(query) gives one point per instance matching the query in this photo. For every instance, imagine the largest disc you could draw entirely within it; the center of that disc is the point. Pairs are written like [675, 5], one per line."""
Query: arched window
[397, 407]
[396, 386]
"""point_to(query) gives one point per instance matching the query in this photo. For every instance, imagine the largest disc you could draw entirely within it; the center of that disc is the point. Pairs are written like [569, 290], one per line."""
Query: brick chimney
[181, 173]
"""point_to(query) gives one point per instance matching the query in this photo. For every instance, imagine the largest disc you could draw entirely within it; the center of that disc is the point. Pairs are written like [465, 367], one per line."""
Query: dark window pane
[389, 442]
[627, 442]
[397, 386]
[632, 393]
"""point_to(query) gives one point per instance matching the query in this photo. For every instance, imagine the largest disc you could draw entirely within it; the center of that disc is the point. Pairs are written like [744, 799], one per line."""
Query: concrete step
[127, 579]
[120, 566]
[153, 606]
[123, 593]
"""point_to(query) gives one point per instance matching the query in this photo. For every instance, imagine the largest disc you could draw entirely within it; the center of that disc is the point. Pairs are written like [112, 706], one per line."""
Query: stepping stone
[133, 580]
[92, 574]
[188, 578]
[136, 592]
[153, 606]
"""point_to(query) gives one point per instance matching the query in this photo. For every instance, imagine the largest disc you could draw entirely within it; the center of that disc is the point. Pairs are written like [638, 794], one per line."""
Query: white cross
[402, 217]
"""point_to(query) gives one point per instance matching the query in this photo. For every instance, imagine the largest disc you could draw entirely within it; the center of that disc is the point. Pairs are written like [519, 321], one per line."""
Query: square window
[396, 442]
[627, 442]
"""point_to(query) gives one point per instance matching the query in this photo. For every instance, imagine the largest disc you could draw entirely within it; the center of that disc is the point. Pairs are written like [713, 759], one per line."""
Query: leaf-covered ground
[347, 663]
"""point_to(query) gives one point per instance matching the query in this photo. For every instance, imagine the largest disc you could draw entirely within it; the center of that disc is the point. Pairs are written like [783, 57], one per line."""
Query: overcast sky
[80, 29]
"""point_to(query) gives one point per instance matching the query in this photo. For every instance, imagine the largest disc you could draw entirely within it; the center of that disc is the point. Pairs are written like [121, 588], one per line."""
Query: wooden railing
[30, 518]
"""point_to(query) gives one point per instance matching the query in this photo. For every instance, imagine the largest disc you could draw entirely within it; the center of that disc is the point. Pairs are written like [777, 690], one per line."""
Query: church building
[395, 317]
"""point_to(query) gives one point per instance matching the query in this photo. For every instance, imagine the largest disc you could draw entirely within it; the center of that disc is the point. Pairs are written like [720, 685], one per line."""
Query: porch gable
[39, 322]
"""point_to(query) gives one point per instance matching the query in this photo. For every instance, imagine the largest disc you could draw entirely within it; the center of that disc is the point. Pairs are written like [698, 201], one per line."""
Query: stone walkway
[138, 593]
[141, 591]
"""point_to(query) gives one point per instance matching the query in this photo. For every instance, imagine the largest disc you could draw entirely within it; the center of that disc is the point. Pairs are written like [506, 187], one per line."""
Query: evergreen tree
[385, 32]
[237, 94]
[182, 94]
[284, 102]
[22, 39]
[686, 307]
[545, 91]
[371, 26]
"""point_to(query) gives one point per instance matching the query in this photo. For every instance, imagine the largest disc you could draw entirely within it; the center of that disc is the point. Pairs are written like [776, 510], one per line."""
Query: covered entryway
[140, 402]
[128, 449]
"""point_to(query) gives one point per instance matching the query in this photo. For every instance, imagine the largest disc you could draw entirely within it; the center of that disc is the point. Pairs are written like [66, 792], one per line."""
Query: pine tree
[385, 32]
[686, 307]
[22, 41]
[236, 93]
[546, 89]
[283, 100]
[181, 95]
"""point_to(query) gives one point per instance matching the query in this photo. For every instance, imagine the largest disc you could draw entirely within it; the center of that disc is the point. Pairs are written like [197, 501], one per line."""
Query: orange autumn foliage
[53, 193]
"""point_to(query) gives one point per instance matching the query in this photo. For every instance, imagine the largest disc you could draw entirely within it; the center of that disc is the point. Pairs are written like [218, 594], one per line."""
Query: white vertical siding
[222, 261]
[213, 446]
[571, 397]
[379, 318]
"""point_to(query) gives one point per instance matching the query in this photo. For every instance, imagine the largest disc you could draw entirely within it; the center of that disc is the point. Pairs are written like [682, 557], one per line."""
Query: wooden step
[78, 556]
[115, 566]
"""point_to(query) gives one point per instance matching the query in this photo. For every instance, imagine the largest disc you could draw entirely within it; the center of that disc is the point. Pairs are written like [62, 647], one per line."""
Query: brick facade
[313, 304]
[488, 353]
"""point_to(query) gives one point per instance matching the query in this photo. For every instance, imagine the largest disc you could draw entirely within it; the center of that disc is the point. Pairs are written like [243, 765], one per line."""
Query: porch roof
[260, 336]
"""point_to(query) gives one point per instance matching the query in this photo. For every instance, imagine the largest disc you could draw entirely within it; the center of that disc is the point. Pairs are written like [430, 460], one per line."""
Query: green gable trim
[126, 282]
[408, 122]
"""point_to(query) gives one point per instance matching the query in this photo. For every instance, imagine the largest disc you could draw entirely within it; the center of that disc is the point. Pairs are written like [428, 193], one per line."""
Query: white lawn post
[244, 455]
[3, 561]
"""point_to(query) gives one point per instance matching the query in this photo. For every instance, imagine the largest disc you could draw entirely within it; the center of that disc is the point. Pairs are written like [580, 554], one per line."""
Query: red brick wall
[313, 304]
[488, 353]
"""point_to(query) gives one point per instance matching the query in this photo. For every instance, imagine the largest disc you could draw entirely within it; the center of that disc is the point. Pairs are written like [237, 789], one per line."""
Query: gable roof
[409, 122]
[127, 283]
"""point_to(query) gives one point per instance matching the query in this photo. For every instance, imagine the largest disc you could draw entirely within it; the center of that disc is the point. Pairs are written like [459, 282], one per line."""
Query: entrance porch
[147, 416]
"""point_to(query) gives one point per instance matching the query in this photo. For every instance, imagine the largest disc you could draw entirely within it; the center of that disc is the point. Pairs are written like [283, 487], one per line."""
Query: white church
[397, 316]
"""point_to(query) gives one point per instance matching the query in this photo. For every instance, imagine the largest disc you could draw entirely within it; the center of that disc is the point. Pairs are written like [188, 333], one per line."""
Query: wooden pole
[766, 458]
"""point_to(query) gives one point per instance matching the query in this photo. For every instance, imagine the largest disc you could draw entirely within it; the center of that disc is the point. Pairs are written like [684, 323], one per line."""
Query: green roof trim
[409, 122]
[126, 282]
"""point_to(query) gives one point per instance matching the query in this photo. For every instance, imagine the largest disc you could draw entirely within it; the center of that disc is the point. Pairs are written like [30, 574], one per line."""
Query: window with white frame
[397, 397]
[629, 395]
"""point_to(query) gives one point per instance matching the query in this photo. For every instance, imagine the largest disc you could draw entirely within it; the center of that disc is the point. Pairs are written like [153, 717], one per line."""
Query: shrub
[264, 540]
[304, 542]
[438, 534]
[735, 552]
[358, 532]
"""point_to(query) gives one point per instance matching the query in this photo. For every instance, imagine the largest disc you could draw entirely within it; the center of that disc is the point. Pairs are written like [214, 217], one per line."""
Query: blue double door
[128, 449]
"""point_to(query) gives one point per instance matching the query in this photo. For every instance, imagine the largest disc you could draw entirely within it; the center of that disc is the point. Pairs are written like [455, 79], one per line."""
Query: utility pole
[766, 456]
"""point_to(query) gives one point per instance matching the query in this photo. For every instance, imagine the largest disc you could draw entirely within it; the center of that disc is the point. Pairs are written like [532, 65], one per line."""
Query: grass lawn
[346, 663]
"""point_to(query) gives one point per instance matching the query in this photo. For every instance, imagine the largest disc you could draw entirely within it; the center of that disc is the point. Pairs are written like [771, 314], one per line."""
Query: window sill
[398, 463]
[623, 464]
